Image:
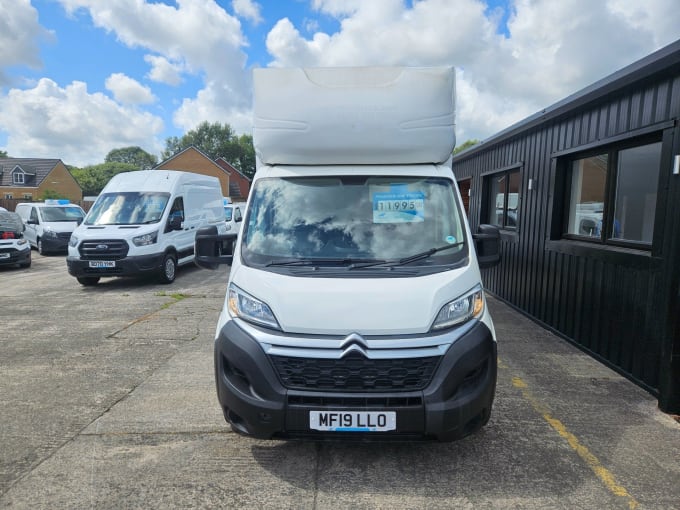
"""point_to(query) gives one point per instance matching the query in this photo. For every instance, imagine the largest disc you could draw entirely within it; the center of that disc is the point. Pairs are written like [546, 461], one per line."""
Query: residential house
[29, 179]
[239, 184]
[194, 160]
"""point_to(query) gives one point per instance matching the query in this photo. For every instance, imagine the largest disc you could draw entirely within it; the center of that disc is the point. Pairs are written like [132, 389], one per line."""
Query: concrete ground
[107, 400]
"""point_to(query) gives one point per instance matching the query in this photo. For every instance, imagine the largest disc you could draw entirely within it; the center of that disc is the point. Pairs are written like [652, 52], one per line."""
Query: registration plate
[102, 263]
[353, 421]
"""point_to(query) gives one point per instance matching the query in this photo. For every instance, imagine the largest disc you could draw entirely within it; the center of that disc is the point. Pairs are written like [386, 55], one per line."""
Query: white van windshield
[228, 213]
[129, 208]
[353, 219]
[61, 213]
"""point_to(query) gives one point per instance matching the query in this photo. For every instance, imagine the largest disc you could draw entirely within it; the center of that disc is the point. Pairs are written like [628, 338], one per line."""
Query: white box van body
[354, 306]
[49, 224]
[144, 222]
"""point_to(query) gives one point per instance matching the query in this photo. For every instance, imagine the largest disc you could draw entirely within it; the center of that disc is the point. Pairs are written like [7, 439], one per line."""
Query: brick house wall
[196, 161]
[238, 181]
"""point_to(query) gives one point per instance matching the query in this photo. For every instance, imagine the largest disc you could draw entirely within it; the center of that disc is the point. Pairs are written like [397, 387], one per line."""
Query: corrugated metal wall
[611, 302]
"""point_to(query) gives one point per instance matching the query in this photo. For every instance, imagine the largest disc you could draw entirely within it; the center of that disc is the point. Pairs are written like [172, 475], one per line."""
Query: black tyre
[88, 281]
[41, 249]
[28, 262]
[168, 269]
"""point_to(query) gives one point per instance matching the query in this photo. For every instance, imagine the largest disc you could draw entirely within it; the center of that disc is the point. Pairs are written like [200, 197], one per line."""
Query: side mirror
[175, 223]
[212, 249]
[488, 246]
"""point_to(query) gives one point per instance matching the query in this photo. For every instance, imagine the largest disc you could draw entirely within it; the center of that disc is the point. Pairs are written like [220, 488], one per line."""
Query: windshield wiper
[407, 260]
[322, 262]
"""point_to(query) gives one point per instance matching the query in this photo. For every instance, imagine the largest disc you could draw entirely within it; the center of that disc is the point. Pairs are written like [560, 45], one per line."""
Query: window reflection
[359, 217]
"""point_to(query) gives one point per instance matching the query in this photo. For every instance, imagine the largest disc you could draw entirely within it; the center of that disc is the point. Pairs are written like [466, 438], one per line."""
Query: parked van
[14, 249]
[49, 224]
[233, 215]
[144, 222]
[354, 307]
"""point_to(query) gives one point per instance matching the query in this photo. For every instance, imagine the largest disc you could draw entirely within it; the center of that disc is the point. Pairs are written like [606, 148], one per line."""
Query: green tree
[216, 140]
[246, 159]
[3, 154]
[94, 177]
[49, 194]
[136, 156]
[465, 145]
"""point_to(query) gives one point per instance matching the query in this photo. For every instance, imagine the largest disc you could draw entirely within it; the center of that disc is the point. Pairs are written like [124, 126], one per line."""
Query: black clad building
[587, 196]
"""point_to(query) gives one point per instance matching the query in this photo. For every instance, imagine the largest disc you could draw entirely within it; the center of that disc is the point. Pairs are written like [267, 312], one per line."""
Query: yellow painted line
[591, 460]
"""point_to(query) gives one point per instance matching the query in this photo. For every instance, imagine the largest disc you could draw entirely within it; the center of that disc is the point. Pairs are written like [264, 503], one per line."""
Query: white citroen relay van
[144, 222]
[49, 224]
[355, 306]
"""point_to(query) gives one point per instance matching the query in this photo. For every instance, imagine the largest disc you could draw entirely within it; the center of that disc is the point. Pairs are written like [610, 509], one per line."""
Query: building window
[502, 192]
[18, 178]
[612, 194]
[8, 196]
[28, 196]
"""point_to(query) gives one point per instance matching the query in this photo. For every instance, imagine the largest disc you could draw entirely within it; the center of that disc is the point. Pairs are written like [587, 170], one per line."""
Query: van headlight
[245, 306]
[73, 241]
[49, 233]
[458, 311]
[145, 239]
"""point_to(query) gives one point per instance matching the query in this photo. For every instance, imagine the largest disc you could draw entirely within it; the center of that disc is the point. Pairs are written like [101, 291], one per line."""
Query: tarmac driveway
[107, 400]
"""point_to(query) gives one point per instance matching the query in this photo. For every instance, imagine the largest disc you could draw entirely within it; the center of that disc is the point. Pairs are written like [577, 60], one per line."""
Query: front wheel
[88, 281]
[41, 249]
[168, 269]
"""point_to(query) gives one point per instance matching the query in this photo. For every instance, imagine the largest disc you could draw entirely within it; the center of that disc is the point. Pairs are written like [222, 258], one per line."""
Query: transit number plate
[102, 263]
[353, 421]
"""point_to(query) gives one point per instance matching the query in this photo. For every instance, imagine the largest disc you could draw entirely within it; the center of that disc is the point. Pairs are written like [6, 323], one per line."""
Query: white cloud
[164, 71]
[553, 48]
[19, 35]
[197, 36]
[73, 125]
[127, 90]
[248, 9]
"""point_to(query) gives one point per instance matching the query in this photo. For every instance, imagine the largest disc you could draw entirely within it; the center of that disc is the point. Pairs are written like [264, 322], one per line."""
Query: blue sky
[81, 77]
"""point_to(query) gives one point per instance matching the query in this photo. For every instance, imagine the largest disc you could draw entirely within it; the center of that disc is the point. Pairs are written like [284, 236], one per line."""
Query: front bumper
[12, 255]
[456, 401]
[56, 244]
[128, 266]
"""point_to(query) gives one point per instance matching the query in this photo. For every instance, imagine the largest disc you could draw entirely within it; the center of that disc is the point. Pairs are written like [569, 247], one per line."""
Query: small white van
[49, 224]
[144, 222]
[233, 215]
[355, 307]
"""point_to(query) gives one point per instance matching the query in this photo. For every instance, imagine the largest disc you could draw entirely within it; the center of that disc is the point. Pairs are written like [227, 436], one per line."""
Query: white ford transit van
[144, 222]
[49, 224]
[355, 306]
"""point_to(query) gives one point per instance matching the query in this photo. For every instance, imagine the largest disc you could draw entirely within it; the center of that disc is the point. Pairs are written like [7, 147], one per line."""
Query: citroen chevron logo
[354, 343]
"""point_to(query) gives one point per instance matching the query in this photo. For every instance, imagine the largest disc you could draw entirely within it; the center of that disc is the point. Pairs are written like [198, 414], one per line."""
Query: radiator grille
[103, 249]
[355, 372]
